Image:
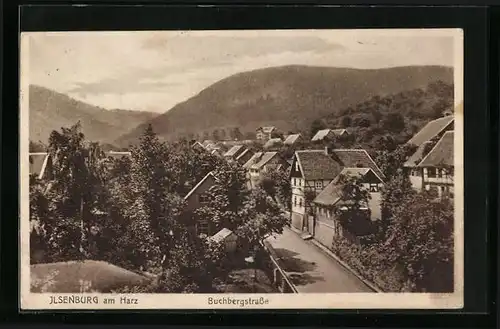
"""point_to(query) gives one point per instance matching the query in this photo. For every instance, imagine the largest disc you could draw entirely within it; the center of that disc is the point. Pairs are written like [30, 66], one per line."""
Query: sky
[154, 70]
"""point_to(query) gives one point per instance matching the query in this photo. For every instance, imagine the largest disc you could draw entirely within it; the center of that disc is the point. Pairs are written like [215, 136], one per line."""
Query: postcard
[249, 169]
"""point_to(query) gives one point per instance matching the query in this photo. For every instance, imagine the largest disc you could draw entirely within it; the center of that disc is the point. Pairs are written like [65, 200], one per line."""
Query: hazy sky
[155, 70]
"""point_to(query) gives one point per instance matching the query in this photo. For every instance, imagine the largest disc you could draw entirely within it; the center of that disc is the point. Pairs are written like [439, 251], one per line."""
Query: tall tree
[421, 238]
[317, 125]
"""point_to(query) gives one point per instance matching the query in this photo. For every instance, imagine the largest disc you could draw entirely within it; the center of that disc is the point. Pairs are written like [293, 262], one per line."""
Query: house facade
[266, 133]
[428, 136]
[196, 198]
[292, 139]
[312, 171]
[263, 164]
[437, 167]
[326, 225]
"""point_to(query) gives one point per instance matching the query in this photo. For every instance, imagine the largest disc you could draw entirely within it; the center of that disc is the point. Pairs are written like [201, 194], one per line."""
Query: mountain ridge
[278, 96]
[50, 110]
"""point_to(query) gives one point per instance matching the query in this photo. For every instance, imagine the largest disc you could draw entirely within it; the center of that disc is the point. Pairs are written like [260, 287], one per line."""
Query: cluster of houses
[315, 176]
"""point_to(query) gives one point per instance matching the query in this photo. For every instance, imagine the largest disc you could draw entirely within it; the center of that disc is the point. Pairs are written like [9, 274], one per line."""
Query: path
[310, 269]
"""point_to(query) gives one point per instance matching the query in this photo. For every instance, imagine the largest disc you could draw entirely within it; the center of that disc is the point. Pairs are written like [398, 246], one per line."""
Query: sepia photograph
[272, 169]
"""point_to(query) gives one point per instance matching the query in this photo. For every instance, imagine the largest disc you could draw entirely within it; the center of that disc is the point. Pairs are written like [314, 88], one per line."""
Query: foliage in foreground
[130, 211]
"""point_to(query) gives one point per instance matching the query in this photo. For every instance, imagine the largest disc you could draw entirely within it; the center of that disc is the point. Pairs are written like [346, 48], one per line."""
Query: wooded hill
[288, 97]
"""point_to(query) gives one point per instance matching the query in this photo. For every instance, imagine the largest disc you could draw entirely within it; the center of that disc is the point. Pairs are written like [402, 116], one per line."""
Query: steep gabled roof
[321, 134]
[332, 193]
[357, 158]
[221, 235]
[359, 172]
[206, 142]
[431, 130]
[339, 132]
[233, 150]
[272, 142]
[317, 165]
[252, 160]
[210, 174]
[38, 163]
[442, 153]
[266, 157]
[291, 139]
[242, 154]
[197, 144]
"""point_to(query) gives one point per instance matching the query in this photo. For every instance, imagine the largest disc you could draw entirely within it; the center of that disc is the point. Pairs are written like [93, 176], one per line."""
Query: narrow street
[310, 269]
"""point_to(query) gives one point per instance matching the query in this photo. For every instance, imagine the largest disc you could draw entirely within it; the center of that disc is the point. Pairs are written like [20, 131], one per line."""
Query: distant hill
[288, 97]
[50, 110]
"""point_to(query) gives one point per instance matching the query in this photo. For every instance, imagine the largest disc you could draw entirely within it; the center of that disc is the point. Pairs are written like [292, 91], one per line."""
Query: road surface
[310, 269]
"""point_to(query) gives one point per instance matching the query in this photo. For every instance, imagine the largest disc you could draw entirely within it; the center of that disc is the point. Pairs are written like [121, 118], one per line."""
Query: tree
[392, 162]
[421, 238]
[68, 206]
[351, 208]
[154, 209]
[236, 133]
[276, 183]
[317, 125]
[252, 215]
[394, 122]
[216, 135]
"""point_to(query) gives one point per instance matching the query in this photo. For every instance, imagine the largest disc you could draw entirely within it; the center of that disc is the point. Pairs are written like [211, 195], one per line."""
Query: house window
[294, 182]
[294, 200]
[373, 187]
[203, 198]
[319, 185]
[300, 202]
[440, 173]
[202, 227]
[431, 172]
[296, 166]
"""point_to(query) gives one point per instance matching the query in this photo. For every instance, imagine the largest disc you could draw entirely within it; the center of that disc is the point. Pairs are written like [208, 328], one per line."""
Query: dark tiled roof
[38, 163]
[210, 174]
[442, 153]
[431, 130]
[357, 158]
[88, 275]
[291, 139]
[233, 150]
[339, 132]
[221, 235]
[330, 195]
[252, 160]
[321, 134]
[317, 165]
[416, 157]
[243, 154]
[266, 157]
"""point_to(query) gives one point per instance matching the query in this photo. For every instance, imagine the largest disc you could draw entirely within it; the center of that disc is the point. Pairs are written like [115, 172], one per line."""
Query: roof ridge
[433, 148]
[199, 183]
